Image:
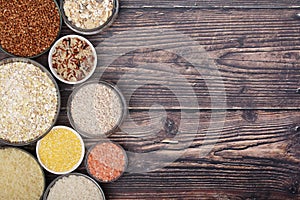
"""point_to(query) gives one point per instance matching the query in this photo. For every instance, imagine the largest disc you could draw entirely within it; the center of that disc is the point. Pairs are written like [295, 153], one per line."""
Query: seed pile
[21, 176]
[28, 28]
[106, 161]
[75, 187]
[96, 109]
[88, 14]
[28, 104]
[73, 59]
[60, 150]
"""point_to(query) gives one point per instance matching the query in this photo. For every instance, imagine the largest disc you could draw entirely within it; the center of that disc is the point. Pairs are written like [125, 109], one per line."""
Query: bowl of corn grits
[61, 151]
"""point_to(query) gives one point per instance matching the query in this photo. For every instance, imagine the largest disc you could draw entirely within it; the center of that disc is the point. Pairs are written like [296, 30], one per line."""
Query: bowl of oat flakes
[89, 17]
[72, 59]
[30, 101]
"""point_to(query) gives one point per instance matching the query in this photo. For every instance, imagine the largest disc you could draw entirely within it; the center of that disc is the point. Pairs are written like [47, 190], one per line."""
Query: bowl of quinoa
[30, 101]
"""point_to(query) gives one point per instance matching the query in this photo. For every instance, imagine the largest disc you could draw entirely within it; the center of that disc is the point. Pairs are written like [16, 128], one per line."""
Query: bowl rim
[35, 159]
[53, 71]
[48, 48]
[96, 30]
[120, 120]
[81, 156]
[99, 143]
[43, 69]
[47, 191]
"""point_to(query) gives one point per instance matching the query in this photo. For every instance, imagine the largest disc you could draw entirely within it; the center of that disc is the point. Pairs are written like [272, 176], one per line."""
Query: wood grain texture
[258, 4]
[255, 155]
[255, 53]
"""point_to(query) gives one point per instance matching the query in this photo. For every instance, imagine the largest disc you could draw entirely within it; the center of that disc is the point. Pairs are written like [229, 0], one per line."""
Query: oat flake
[88, 14]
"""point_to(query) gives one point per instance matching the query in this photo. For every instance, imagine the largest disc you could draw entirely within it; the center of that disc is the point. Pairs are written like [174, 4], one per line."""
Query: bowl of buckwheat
[72, 59]
[29, 28]
[89, 17]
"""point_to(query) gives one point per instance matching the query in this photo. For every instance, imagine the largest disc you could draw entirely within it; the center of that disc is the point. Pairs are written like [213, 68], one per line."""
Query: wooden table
[241, 139]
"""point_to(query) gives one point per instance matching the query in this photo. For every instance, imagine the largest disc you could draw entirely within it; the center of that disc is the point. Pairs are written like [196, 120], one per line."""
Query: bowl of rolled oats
[72, 59]
[30, 101]
[89, 17]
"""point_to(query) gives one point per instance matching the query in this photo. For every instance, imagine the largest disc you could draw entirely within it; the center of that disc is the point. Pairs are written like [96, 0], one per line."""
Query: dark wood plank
[255, 53]
[255, 155]
[210, 4]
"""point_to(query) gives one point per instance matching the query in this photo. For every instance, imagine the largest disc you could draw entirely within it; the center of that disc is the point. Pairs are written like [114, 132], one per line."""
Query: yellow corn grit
[60, 150]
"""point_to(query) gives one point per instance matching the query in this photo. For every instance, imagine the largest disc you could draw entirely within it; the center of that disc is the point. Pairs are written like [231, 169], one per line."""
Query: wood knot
[294, 188]
[250, 115]
[297, 128]
[170, 126]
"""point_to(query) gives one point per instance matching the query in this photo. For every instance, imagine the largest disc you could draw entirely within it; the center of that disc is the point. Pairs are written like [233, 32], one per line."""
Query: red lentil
[28, 28]
[106, 161]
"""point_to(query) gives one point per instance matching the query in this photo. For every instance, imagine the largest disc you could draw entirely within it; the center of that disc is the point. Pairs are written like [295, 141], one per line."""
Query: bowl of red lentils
[89, 17]
[72, 59]
[106, 161]
[30, 101]
[29, 28]
[61, 151]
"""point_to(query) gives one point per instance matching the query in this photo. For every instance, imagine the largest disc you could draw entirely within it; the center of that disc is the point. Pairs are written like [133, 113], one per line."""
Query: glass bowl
[47, 49]
[81, 67]
[48, 74]
[92, 31]
[91, 129]
[30, 160]
[107, 158]
[47, 191]
[75, 166]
